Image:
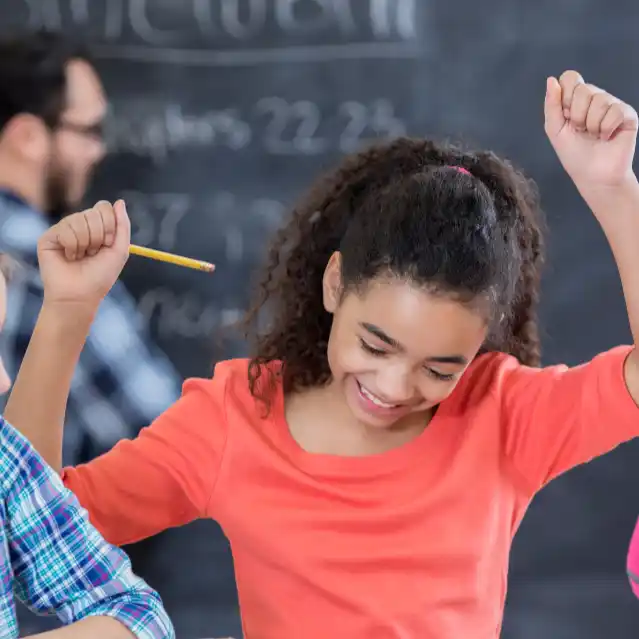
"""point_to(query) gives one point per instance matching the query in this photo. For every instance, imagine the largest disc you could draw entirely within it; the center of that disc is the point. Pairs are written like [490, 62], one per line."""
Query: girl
[373, 460]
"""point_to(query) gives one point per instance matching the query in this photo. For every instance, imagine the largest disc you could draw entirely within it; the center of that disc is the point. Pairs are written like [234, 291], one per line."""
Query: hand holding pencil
[83, 255]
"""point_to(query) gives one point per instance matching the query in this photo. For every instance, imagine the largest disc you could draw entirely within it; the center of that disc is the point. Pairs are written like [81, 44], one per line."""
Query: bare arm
[96, 627]
[594, 135]
[48, 366]
[618, 213]
[75, 283]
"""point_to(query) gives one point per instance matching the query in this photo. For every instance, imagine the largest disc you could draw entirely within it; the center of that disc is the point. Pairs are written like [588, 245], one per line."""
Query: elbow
[142, 613]
[158, 616]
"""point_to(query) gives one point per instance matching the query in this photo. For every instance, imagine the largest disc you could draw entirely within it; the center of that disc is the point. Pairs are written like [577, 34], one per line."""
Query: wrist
[616, 207]
[610, 196]
[63, 317]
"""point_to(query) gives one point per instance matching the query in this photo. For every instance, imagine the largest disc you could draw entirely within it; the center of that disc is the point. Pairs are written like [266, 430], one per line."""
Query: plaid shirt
[55, 559]
[122, 382]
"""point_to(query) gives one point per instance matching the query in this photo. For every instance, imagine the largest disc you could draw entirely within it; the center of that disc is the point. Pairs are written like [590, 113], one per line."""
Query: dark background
[223, 111]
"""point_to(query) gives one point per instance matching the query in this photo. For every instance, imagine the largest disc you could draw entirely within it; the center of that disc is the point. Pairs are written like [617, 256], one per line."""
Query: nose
[395, 384]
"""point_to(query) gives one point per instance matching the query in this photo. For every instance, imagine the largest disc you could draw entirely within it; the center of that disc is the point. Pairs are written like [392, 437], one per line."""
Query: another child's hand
[593, 133]
[82, 256]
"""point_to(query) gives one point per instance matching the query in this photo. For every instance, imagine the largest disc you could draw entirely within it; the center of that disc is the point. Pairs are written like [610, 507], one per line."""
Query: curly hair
[402, 208]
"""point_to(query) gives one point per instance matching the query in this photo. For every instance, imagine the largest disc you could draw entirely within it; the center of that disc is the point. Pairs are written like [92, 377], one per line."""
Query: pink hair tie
[459, 169]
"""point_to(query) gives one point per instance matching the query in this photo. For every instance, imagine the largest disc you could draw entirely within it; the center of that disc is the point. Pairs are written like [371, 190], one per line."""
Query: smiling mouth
[374, 399]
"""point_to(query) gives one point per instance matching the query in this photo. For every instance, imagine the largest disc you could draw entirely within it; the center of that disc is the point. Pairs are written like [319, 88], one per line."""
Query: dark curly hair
[403, 209]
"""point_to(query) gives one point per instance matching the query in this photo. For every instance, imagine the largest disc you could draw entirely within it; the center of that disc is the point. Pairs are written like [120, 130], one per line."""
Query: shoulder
[498, 375]
[491, 379]
[484, 379]
[230, 380]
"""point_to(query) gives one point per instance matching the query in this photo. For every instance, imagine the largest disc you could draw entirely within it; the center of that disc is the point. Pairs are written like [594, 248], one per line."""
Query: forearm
[94, 627]
[38, 399]
[618, 214]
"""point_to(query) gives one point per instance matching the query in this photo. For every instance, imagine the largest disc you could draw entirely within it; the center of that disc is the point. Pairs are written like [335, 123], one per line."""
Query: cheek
[345, 356]
[435, 392]
[76, 157]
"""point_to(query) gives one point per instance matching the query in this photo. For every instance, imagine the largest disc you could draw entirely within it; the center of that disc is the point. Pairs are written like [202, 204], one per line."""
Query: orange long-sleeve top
[412, 543]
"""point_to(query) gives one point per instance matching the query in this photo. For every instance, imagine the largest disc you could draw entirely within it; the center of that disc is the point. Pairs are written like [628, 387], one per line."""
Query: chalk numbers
[295, 128]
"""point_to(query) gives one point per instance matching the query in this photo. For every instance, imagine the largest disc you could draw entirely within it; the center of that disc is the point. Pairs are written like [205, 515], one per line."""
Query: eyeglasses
[93, 131]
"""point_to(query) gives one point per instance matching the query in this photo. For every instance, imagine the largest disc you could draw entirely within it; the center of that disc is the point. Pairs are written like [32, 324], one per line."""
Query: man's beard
[57, 200]
[58, 203]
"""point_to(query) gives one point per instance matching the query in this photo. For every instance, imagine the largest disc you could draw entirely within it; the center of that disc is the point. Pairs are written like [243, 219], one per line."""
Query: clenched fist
[82, 256]
[593, 133]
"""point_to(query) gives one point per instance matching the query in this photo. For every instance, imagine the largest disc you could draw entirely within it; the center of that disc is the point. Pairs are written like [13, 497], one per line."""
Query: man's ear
[28, 136]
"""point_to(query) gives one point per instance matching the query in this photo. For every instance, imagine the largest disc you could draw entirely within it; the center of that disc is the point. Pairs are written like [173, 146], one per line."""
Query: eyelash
[378, 352]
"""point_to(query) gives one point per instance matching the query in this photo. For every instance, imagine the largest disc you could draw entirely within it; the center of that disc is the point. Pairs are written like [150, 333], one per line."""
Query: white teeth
[375, 400]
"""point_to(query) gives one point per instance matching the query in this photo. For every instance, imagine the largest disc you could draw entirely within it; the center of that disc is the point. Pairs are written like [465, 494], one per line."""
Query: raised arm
[559, 417]
[164, 477]
[80, 259]
[594, 135]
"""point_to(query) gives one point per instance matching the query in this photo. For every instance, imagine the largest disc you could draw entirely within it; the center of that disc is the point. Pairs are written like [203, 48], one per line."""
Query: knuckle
[583, 92]
[601, 99]
[571, 76]
[102, 206]
[616, 110]
[568, 86]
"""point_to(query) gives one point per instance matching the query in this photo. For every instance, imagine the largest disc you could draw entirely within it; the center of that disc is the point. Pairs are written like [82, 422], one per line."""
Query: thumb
[123, 227]
[553, 110]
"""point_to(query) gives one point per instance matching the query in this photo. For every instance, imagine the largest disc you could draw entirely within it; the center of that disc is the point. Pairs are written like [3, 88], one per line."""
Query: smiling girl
[373, 460]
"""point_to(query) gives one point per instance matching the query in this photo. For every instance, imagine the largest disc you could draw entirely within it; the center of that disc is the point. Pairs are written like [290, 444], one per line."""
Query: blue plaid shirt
[122, 381]
[55, 560]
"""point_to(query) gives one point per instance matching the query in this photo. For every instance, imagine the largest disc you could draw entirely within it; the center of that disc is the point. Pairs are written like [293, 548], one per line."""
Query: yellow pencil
[154, 254]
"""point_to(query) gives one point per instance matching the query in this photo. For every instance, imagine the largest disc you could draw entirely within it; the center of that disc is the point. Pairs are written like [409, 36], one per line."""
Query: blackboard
[221, 114]
[223, 111]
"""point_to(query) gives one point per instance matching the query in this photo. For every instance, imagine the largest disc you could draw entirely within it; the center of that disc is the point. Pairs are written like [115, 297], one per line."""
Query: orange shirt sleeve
[162, 478]
[558, 417]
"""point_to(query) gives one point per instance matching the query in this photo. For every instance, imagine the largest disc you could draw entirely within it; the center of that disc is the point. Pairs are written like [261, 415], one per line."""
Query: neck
[306, 414]
[23, 181]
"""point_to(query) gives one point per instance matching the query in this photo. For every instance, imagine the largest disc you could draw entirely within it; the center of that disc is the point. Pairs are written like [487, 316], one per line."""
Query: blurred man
[52, 108]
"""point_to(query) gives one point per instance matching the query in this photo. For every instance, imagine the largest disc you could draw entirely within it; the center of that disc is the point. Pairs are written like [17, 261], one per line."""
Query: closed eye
[442, 377]
[377, 352]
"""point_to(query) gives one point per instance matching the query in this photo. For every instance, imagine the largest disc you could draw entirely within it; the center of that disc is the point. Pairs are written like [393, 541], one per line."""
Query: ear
[332, 283]
[28, 135]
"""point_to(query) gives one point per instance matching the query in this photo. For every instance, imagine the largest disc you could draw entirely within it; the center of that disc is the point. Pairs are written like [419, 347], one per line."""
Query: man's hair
[33, 74]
